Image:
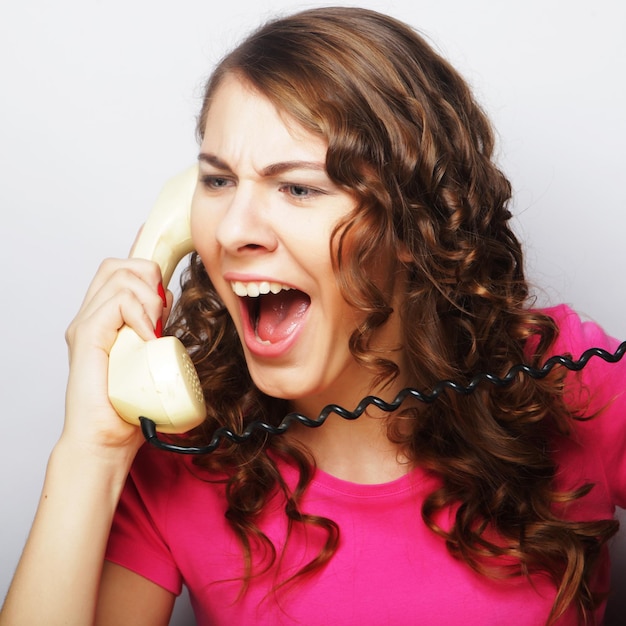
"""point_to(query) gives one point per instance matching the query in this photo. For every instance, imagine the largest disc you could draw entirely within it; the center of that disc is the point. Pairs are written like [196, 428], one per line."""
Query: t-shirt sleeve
[138, 535]
[600, 388]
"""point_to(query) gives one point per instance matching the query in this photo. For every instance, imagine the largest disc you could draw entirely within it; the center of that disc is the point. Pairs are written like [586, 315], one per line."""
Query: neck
[358, 450]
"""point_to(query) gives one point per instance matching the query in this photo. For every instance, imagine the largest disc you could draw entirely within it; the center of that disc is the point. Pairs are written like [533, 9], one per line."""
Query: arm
[127, 598]
[58, 577]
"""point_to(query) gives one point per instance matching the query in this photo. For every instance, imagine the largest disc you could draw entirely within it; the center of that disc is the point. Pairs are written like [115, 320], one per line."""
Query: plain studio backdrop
[98, 105]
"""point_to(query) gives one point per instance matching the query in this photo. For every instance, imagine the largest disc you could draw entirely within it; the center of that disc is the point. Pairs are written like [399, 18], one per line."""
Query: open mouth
[274, 310]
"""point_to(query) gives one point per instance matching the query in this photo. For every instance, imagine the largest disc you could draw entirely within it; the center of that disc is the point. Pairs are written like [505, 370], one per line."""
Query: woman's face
[262, 218]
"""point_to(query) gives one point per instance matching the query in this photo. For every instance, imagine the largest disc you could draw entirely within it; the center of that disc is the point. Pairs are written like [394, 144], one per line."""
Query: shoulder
[576, 333]
[599, 382]
[161, 476]
[597, 393]
[167, 510]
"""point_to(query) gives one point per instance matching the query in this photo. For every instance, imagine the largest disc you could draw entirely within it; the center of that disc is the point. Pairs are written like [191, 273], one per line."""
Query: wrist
[99, 467]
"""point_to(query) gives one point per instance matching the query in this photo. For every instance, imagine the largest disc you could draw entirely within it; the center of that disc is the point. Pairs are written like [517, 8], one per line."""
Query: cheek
[205, 244]
[202, 233]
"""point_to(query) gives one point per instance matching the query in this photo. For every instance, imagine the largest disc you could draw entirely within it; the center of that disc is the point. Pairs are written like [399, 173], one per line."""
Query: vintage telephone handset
[157, 378]
[154, 383]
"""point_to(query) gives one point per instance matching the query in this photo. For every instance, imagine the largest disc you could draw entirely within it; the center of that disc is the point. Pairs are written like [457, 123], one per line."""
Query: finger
[167, 308]
[144, 286]
[148, 271]
[99, 329]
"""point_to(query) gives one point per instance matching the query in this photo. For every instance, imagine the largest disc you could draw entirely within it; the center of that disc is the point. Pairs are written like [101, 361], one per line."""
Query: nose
[245, 225]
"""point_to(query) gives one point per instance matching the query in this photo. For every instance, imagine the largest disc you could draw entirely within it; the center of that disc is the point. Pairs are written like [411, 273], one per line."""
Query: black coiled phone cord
[148, 427]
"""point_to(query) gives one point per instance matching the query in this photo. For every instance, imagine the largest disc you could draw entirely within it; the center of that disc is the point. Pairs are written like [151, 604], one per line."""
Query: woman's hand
[122, 292]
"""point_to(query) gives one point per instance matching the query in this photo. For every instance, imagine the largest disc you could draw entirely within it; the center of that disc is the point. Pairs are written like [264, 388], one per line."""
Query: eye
[299, 192]
[216, 182]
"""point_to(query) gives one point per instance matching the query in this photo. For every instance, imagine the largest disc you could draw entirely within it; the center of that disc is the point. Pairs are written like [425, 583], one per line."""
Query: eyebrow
[275, 169]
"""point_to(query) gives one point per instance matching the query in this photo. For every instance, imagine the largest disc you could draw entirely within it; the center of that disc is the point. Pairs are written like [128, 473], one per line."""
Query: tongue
[280, 314]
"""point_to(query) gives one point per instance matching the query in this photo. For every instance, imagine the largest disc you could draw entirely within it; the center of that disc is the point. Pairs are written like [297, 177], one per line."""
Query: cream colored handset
[156, 379]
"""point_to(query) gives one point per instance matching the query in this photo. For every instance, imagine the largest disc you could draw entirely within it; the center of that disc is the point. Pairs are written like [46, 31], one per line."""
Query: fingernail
[158, 329]
[162, 294]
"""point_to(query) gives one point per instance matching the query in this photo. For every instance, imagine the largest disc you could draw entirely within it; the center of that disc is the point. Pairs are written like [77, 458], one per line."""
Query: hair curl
[406, 136]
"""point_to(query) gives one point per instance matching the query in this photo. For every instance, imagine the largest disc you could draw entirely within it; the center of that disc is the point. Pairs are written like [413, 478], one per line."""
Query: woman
[352, 239]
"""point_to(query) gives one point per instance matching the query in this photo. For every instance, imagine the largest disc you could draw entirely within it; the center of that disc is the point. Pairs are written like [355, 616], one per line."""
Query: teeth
[256, 289]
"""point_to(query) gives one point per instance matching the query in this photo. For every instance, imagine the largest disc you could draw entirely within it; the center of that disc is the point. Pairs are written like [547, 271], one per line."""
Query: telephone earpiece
[156, 379]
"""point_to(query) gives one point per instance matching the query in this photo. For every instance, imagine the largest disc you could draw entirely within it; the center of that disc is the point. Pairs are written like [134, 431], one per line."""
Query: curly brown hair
[407, 137]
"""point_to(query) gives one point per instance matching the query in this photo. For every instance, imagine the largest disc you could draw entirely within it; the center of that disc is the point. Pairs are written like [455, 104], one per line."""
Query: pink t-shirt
[389, 568]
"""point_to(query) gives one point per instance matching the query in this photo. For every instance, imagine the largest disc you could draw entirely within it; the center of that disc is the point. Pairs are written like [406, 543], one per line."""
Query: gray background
[97, 108]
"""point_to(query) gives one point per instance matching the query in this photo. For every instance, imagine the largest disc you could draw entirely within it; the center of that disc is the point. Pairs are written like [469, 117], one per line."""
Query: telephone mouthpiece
[155, 379]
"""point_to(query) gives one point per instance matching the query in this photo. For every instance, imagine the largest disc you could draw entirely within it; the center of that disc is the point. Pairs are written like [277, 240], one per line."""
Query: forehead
[242, 121]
